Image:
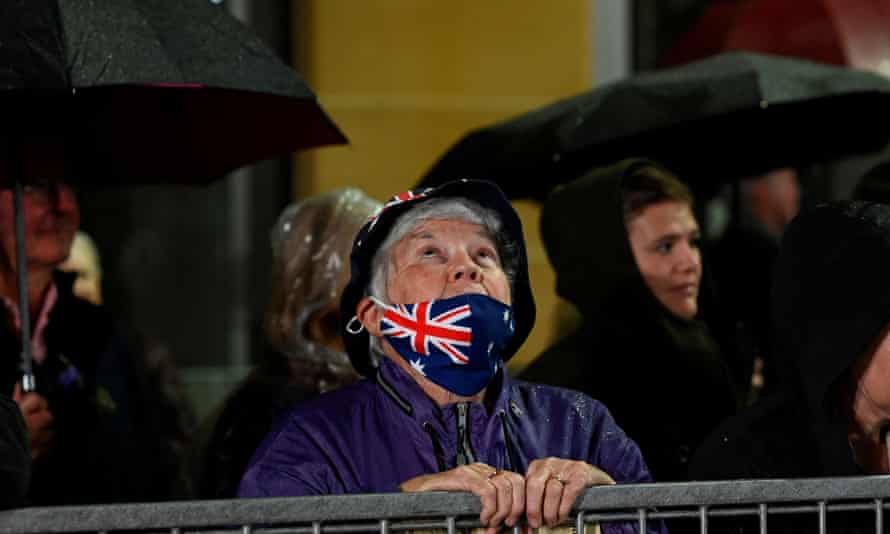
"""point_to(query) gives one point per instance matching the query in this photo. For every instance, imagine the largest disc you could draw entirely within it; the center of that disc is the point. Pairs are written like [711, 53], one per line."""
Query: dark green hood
[663, 377]
[582, 226]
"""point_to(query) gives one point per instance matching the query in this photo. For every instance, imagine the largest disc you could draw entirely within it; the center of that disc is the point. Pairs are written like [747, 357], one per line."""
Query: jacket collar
[405, 392]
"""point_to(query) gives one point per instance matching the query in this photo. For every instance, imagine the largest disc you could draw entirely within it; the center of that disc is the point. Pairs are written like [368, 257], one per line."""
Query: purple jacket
[372, 436]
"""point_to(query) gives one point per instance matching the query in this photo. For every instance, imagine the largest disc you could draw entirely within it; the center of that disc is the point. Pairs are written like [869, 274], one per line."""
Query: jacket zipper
[437, 447]
[464, 447]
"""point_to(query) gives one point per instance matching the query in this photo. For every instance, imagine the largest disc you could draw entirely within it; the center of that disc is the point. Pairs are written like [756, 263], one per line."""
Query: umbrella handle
[21, 260]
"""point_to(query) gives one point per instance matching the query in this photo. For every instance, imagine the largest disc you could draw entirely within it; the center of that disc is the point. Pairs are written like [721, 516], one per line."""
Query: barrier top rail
[312, 514]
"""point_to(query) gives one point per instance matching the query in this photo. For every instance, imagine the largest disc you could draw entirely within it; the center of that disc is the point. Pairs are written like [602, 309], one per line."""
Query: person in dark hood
[764, 207]
[831, 317]
[624, 243]
[831, 320]
[438, 300]
[311, 242]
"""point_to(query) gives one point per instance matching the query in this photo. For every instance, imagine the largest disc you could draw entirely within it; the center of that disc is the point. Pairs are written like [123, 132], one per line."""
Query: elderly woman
[635, 273]
[311, 242]
[438, 300]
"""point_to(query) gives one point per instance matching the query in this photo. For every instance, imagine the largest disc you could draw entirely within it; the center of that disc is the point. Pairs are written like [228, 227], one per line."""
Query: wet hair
[650, 183]
[310, 248]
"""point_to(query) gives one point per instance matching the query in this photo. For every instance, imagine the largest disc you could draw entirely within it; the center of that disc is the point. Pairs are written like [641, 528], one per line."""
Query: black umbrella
[721, 118]
[144, 91]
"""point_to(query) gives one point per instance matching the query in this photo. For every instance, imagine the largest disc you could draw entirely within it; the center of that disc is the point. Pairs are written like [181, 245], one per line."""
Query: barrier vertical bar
[879, 516]
[703, 519]
[642, 522]
[762, 516]
[822, 520]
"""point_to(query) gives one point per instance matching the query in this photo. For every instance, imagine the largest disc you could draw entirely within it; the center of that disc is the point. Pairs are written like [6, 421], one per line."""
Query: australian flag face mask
[455, 342]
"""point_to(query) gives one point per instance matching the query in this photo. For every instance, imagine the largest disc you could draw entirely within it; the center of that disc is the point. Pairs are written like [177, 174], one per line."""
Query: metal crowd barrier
[699, 504]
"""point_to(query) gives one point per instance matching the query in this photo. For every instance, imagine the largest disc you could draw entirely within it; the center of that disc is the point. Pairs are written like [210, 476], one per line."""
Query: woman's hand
[502, 493]
[553, 485]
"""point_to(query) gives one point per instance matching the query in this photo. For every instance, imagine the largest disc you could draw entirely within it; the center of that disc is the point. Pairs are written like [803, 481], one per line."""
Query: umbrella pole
[21, 261]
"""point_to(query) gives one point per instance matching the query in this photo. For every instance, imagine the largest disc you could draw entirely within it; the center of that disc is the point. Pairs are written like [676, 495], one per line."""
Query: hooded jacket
[372, 436]
[830, 303]
[663, 377]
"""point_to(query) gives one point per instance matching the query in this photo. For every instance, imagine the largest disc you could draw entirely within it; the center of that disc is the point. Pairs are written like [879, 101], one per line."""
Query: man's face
[664, 239]
[443, 258]
[52, 217]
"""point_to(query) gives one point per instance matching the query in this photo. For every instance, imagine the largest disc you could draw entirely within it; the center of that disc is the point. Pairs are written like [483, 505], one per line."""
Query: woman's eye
[429, 252]
[664, 248]
[487, 254]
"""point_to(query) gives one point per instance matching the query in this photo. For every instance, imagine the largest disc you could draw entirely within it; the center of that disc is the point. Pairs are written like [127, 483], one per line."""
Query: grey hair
[438, 209]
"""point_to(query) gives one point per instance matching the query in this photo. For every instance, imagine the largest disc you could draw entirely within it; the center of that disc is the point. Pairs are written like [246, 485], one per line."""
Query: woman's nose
[689, 258]
[465, 271]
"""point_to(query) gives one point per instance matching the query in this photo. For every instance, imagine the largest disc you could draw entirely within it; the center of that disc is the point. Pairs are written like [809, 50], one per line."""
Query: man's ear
[369, 314]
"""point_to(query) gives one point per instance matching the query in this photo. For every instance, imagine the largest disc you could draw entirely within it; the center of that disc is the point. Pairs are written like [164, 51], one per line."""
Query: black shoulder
[767, 440]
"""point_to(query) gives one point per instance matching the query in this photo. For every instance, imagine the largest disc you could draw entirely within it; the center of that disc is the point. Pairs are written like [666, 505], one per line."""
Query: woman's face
[664, 238]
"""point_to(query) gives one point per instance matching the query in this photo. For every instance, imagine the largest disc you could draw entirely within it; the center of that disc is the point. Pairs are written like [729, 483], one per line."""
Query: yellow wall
[405, 79]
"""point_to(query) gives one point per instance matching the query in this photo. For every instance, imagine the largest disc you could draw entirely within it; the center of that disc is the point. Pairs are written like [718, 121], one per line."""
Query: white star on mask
[418, 366]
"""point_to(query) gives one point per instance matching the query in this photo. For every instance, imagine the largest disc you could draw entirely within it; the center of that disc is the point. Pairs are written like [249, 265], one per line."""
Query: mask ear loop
[379, 302]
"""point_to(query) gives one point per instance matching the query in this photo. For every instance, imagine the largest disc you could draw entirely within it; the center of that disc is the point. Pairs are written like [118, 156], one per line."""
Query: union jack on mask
[455, 342]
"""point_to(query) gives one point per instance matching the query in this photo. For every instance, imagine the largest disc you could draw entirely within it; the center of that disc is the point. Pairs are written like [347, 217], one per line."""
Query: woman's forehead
[442, 228]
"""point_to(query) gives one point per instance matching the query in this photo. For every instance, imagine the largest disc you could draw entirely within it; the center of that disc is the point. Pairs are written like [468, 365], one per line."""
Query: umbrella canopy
[841, 32]
[151, 91]
[721, 118]
[140, 91]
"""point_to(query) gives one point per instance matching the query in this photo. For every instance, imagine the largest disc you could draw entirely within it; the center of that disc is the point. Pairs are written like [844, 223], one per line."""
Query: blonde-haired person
[310, 245]
[84, 261]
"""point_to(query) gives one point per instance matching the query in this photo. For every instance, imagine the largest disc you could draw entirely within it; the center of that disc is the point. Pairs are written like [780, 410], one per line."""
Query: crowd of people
[388, 331]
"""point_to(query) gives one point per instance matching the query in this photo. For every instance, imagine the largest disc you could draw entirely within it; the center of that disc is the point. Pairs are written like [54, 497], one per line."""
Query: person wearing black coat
[624, 244]
[94, 431]
[104, 444]
[831, 320]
